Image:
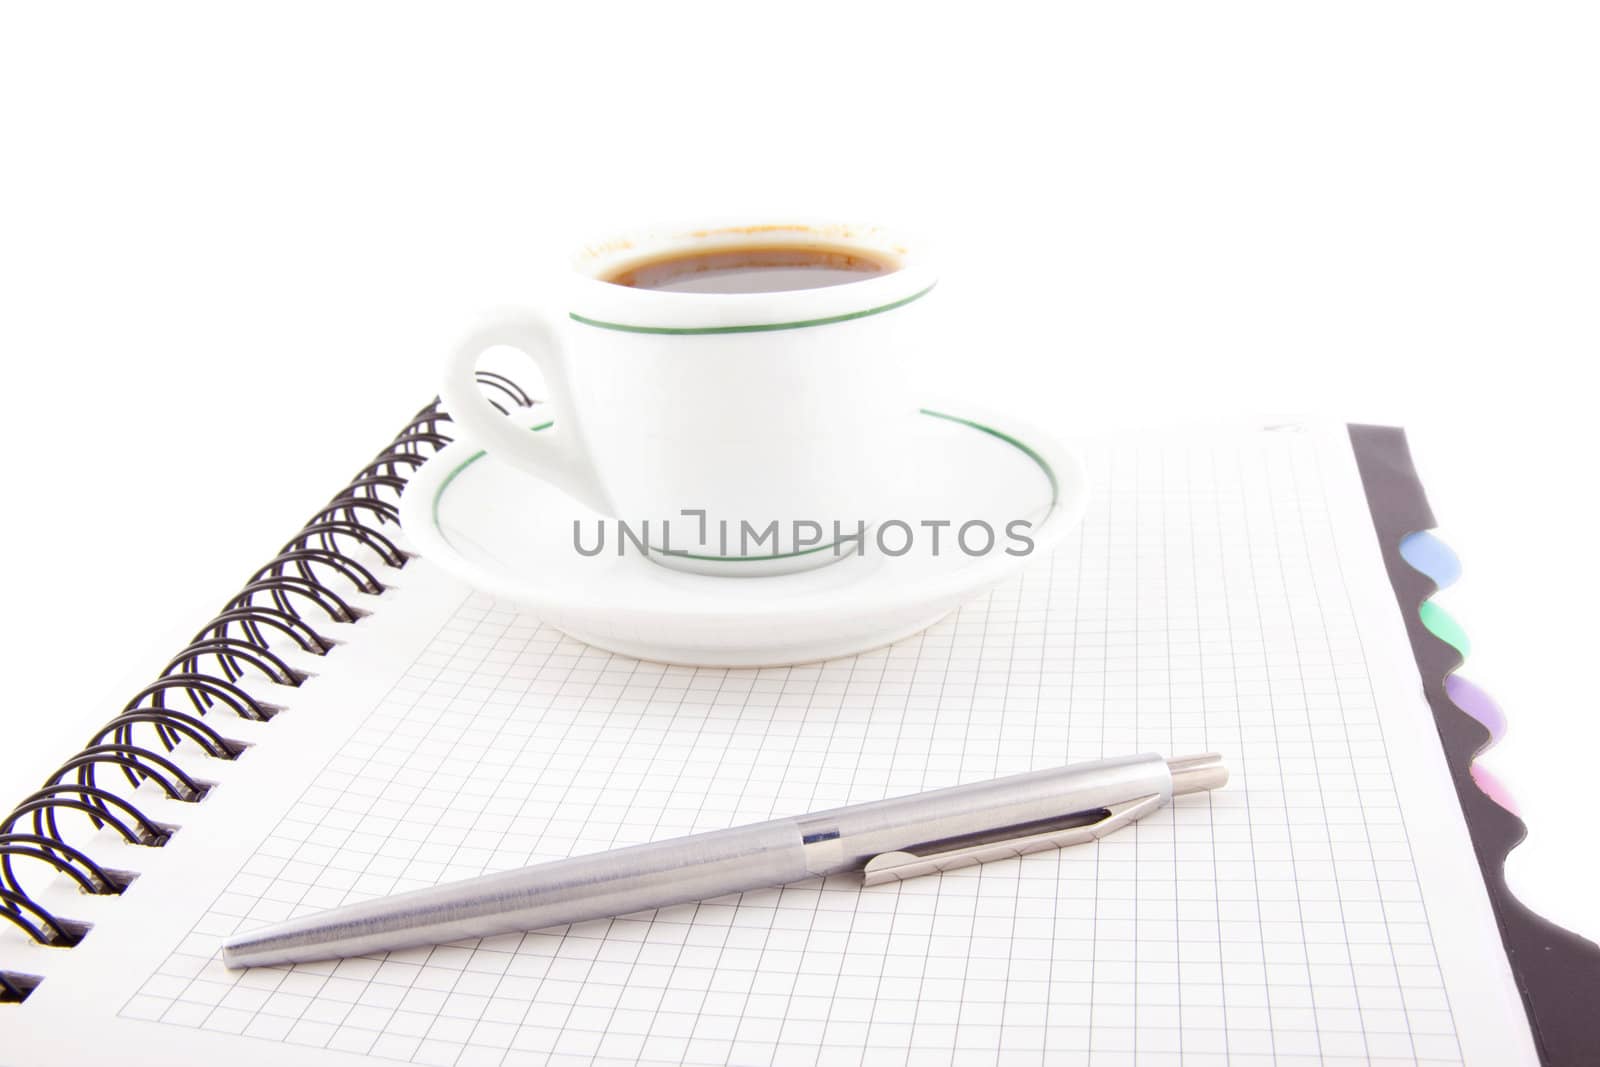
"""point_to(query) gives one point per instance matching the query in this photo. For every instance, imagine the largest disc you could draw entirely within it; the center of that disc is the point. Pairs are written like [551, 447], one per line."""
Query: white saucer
[511, 536]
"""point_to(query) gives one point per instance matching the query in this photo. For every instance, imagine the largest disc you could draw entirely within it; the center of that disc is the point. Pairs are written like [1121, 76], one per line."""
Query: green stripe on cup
[762, 327]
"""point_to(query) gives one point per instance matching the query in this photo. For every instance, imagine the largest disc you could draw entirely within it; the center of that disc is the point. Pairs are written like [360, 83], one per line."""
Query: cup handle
[557, 454]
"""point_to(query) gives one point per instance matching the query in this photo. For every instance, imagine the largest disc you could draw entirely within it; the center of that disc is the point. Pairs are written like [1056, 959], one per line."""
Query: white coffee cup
[701, 419]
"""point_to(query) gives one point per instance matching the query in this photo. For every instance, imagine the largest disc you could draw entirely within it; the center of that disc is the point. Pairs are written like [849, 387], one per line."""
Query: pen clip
[903, 864]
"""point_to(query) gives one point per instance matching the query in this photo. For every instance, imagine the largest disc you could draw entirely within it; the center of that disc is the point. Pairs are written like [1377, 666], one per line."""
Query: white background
[235, 243]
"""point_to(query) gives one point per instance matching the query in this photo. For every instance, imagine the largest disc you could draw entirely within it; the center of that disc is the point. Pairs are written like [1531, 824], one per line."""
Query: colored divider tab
[1442, 626]
[1475, 702]
[1426, 553]
[1430, 556]
[1491, 787]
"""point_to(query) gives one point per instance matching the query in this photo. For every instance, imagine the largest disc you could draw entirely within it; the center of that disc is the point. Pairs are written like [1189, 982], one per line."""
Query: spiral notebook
[354, 723]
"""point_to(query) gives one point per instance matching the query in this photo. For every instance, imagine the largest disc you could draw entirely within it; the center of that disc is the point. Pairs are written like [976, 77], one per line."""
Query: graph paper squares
[1200, 607]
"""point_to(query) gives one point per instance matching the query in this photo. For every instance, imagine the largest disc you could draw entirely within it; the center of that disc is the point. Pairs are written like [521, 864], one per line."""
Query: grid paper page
[1202, 606]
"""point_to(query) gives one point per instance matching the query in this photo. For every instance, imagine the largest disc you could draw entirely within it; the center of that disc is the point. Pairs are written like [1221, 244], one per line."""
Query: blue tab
[1426, 553]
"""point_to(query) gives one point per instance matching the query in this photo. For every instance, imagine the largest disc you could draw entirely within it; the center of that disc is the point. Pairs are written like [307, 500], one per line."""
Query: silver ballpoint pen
[887, 840]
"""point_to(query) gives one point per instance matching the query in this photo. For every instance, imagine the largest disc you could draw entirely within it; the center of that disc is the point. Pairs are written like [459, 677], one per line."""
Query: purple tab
[1475, 702]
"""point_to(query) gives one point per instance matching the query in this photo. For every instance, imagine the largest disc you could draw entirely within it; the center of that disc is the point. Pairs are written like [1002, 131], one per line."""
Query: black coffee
[756, 269]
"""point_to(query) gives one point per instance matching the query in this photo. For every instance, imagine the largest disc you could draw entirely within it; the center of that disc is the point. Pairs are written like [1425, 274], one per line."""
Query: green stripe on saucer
[1023, 447]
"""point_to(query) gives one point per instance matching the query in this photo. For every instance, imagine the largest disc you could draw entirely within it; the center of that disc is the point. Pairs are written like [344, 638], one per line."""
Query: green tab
[1442, 626]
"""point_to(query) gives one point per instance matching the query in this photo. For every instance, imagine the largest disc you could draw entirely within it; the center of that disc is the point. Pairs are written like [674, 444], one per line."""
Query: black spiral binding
[341, 550]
